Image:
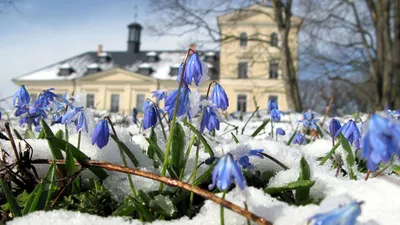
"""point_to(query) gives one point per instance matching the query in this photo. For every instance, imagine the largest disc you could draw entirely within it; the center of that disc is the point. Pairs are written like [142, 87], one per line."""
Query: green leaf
[350, 156]
[55, 150]
[260, 128]
[126, 150]
[29, 134]
[291, 138]
[157, 150]
[42, 134]
[302, 195]
[17, 134]
[150, 149]
[49, 184]
[78, 155]
[235, 138]
[178, 145]
[70, 162]
[163, 206]
[60, 134]
[296, 185]
[330, 153]
[29, 202]
[10, 199]
[43, 195]
[126, 209]
[202, 139]
[142, 209]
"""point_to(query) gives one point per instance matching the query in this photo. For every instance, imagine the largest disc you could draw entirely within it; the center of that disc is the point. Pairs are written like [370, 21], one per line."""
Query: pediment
[117, 75]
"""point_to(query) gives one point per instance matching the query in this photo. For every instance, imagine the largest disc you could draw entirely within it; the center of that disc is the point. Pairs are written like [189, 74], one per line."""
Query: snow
[144, 65]
[65, 66]
[151, 54]
[93, 66]
[378, 193]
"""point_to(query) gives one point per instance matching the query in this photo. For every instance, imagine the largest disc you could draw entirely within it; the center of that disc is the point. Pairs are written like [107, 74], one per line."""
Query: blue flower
[47, 96]
[345, 215]
[276, 115]
[351, 132]
[381, 141]
[81, 119]
[244, 160]
[395, 114]
[134, 115]
[21, 98]
[159, 94]
[272, 104]
[299, 139]
[193, 70]
[309, 120]
[82, 122]
[150, 114]
[66, 101]
[101, 134]
[280, 131]
[225, 172]
[209, 119]
[218, 97]
[334, 126]
[184, 103]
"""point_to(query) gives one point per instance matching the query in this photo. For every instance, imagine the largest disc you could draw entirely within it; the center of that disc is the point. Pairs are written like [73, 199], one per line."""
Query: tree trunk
[396, 56]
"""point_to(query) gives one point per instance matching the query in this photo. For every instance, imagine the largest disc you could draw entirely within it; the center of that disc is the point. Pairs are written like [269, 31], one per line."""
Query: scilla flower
[21, 98]
[101, 134]
[210, 119]
[134, 115]
[276, 115]
[272, 104]
[244, 160]
[184, 102]
[299, 139]
[334, 126]
[351, 132]
[381, 141]
[395, 114]
[194, 70]
[77, 112]
[225, 172]
[345, 215]
[309, 119]
[280, 131]
[150, 114]
[218, 97]
[159, 94]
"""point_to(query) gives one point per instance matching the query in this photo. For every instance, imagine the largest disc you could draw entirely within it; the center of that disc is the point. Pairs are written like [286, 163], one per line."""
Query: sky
[37, 33]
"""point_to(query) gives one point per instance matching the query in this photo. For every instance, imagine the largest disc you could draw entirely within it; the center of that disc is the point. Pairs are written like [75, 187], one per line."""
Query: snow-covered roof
[151, 54]
[210, 54]
[118, 59]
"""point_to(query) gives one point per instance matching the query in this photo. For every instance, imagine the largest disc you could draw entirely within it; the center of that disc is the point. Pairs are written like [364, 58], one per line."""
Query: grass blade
[260, 128]
[10, 199]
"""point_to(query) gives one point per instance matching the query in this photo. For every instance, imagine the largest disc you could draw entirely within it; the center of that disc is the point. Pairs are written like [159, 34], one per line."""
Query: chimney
[99, 49]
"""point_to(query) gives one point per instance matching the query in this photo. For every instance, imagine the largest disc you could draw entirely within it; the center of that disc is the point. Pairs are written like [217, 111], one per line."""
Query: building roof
[115, 59]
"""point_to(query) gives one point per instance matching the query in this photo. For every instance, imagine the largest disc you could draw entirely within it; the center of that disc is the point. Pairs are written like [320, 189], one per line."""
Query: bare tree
[356, 42]
[178, 17]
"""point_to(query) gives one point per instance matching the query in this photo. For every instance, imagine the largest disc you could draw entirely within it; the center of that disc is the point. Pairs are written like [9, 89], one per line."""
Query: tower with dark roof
[134, 30]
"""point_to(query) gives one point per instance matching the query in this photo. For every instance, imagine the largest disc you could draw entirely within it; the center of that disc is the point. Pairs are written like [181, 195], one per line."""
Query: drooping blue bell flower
[150, 114]
[21, 98]
[134, 116]
[272, 104]
[193, 70]
[309, 120]
[225, 172]
[159, 94]
[210, 119]
[276, 115]
[77, 112]
[101, 134]
[280, 131]
[218, 97]
[345, 215]
[299, 139]
[381, 141]
[244, 160]
[334, 126]
[351, 132]
[184, 103]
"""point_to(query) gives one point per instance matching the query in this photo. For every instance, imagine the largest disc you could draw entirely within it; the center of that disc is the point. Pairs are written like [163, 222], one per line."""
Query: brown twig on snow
[171, 182]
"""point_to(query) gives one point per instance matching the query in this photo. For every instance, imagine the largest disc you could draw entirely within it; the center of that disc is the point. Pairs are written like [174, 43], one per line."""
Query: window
[173, 71]
[273, 97]
[242, 70]
[241, 103]
[273, 70]
[90, 101]
[243, 39]
[139, 102]
[114, 103]
[274, 39]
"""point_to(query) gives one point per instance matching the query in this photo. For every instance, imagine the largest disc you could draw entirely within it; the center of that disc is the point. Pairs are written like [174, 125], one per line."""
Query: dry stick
[168, 181]
[65, 187]
[328, 108]
[244, 127]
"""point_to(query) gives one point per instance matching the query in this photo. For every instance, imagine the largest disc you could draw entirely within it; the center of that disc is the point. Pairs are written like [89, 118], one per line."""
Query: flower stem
[245, 206]
[385, 167]
[186, 156]
[275, 160]
[194, 176]
[221, 210]
[171, 132]
[244, 127]
[79, 139]
[122, 157]
[272, 128]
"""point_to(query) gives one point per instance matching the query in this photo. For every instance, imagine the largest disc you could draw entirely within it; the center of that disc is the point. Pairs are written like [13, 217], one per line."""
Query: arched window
[243, 39]
[274, 39]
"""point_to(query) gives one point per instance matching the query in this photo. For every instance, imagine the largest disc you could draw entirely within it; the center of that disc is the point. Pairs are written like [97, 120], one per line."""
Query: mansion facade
[118, 81]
